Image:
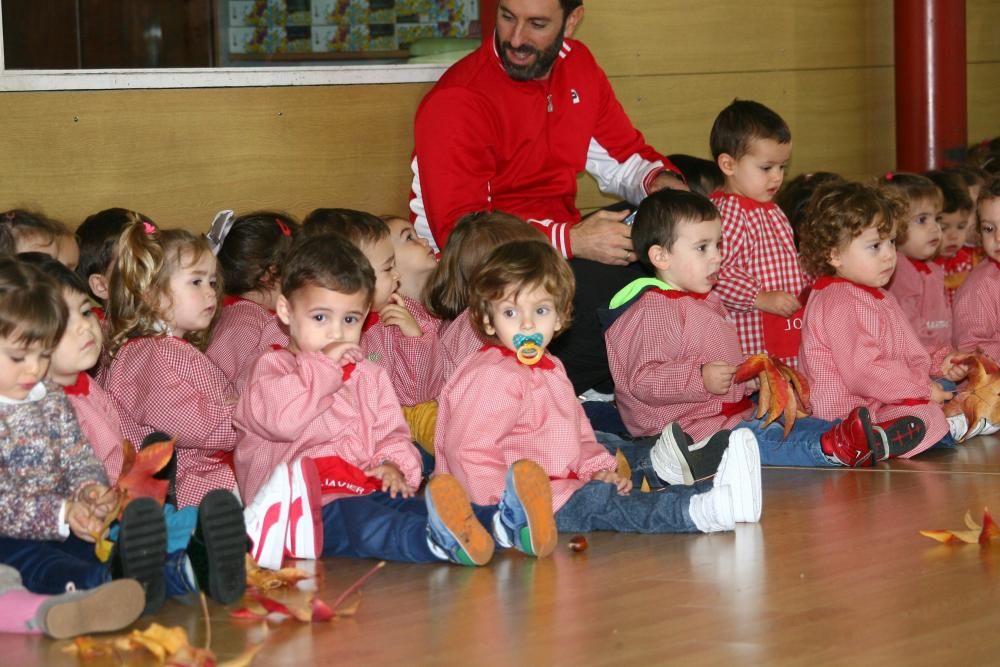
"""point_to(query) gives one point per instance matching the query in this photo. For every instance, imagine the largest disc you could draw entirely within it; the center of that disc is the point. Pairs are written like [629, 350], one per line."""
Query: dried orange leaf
[624, 469]
[137, 481]
[990, 529]
[266, 580]
[750, 368]
[952, 536]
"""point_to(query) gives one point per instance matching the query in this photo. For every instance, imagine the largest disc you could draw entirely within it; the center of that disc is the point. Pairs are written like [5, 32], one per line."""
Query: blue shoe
[453, 531]
[525, 510]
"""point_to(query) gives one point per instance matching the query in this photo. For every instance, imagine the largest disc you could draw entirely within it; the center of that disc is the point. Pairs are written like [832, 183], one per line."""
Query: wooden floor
[835, 573]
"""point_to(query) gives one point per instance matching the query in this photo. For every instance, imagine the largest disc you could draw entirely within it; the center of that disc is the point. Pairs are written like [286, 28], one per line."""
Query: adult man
[509, 127]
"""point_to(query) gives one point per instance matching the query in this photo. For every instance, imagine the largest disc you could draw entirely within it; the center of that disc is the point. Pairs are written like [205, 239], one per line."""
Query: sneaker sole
[534, 491]
[745, 484]
[875, 444]
[451, 504]
[904, 436]
[142, 543]
[104, 609]
[305, 518]
[223, 530]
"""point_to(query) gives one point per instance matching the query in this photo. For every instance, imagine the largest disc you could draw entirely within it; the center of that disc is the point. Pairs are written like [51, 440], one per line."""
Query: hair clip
[219, 230]
[148, 227]
[285, 231]
[888, 175]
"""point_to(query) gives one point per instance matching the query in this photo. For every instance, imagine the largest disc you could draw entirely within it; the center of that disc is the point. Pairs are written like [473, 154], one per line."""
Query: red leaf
[321, 612]
[990, 529]
[247, 614]
[136, 478]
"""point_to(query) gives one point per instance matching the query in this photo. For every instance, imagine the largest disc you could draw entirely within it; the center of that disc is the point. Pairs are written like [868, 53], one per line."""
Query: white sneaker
[712, 511]
[304, 538]
[267, 519]
[666, 456]
[740, 471]
[958, 427]
[990, 428]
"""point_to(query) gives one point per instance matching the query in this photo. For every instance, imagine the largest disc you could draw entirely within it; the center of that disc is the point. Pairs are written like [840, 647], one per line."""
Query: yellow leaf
[103, 550]
[624, 469]
[644, 488]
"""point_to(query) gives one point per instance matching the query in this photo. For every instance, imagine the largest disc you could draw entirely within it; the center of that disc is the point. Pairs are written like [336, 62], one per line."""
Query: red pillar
[931, 116]
[488, 16]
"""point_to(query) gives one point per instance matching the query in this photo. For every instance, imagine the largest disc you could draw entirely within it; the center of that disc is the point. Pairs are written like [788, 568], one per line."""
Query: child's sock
[740, 471]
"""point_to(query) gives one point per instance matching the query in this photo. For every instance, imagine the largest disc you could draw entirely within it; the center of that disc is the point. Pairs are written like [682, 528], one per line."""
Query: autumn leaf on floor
[266, 580]
[170, 647]
[784, 392]
[981, 534]
[981, 397]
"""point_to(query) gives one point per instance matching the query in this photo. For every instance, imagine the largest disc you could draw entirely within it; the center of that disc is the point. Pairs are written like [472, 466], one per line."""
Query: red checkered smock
[414, 365]
[306, 405]
[759, 255]
[459, 342]
[99, 422]
[244, 330]
[859, 349]
[919, 288]
[977, 311]
[495, 411]
[656, 350]
[163, 383]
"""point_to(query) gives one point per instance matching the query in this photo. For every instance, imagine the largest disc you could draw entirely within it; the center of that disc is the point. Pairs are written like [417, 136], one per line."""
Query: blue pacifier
[529, 348]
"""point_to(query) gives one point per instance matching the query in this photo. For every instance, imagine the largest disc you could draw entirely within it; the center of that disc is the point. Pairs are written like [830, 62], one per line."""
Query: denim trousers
[597, 506]
[801, 447]
[382, 527]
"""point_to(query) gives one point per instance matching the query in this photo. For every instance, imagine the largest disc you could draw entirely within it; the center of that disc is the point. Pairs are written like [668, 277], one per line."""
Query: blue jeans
[378, 526]
[636, 453]
[604, 417]
[597, 506]
[800, 448]
[46, 567]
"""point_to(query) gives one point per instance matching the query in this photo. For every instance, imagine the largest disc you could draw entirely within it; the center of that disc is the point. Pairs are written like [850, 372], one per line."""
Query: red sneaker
[853, 441]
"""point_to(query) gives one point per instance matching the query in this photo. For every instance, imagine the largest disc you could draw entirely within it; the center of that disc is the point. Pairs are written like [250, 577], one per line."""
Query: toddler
[27, 231]
[956, 211]
[760, 281]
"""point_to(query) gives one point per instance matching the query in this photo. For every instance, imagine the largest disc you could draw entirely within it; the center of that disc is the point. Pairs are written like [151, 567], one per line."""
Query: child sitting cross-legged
[674, 352]
[512, 401]
[858, 347]
[322, 399]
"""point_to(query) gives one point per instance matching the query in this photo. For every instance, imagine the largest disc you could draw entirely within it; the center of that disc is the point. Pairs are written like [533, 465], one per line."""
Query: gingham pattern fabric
[44, 461]
[919, 289]
[759, 255]
[858, 349]
[459, 341]
[301, 405]
[99, 421]
[656, 350]
[100, 371]
[244, 330]
[958, 268]
[977, 311]
[165, 384]
[495, 410]
[414, 365]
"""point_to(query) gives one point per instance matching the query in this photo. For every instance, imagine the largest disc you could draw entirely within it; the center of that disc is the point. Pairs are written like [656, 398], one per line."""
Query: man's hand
[777, 302]
[667, 180]
[603, 237]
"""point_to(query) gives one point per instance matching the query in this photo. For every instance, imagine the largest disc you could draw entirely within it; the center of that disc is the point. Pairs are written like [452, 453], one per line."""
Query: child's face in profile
[80, 345]
[382, 256]
[529, 313]
[692, 262]
[68, 252]
[953, 232]
[192, 300]
[414, 258]
[989, 227]
[21, 366]
[923, 236]
[759, 173]
[867, 259]
[317, 317]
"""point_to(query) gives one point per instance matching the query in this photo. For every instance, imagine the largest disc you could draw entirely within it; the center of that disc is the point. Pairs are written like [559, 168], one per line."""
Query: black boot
[141, 550]
[218, 547]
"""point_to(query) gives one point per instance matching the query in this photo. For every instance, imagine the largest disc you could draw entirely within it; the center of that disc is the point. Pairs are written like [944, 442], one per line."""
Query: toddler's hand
[81, 520]
[777, 302]
[396, 314]
[393, 480]
[612, 477]
[718, 377]
[938, 394]
[951, 370]
[343, 353]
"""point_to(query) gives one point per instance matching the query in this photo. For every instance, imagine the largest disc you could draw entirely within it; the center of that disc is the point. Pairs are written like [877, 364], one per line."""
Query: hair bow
[888, 175]
[221, 225]
[285, 231]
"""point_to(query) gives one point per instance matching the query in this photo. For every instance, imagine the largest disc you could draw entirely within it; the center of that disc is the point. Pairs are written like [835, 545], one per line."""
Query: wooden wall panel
[984, 100]
[982, 40]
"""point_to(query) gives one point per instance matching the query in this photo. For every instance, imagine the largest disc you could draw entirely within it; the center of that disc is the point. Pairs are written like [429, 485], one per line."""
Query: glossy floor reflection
[835, 573]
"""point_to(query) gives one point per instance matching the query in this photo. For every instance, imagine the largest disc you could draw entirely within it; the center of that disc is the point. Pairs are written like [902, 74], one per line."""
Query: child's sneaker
[305, 514]
[524, 518]
[853, 442]
[107, 608]
[899, 436]
[740, 471]
[267, 519]
[141, 550]
[453, 531]
[218, 548]
[677, 459]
